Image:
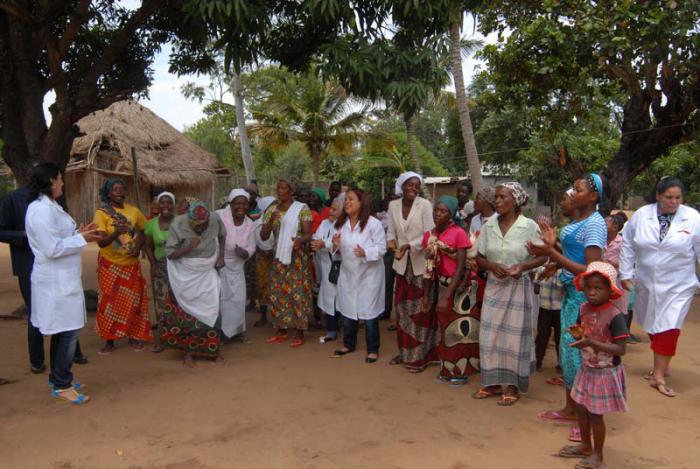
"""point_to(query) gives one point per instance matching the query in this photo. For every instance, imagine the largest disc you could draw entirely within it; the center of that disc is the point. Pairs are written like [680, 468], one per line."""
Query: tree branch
[88, 90]
[16, 11]
[76, 21]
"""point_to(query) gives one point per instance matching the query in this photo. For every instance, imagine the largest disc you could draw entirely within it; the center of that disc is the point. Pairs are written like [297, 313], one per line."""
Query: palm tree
[457, 48]
[306, 108]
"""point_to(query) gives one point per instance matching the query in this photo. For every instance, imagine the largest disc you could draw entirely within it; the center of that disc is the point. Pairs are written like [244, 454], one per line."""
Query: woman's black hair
[667, 182]
[604, 198]
[40, 180]
[619, 219]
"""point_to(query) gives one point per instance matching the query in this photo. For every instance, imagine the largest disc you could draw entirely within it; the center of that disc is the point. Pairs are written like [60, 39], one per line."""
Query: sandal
[415, 371]
[662, 388]
[555, 416]
[556, 381]
[296, 343]
[80, 399]
[340, 353]
[485, 393]
[4, 381]
[586, 464]
[138, 347]
[508, 400]
[277, 339]
[371, 359]
[573, 451]
[396, 360]
[575, 434]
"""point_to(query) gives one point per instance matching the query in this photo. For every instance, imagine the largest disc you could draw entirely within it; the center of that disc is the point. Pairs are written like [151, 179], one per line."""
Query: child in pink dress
[599, 388]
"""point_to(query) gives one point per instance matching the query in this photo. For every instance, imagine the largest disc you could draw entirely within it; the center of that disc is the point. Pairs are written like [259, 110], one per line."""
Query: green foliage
[215, 133]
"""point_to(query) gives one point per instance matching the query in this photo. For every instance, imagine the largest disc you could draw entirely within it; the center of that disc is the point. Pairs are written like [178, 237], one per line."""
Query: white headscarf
[238, 193]
[403, 178]
[165, 194]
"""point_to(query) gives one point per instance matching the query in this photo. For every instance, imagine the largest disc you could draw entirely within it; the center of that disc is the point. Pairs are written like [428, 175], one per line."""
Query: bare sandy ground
[272, 407]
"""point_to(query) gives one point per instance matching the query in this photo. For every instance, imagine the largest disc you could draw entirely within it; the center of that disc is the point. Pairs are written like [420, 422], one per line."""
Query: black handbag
[334, 272]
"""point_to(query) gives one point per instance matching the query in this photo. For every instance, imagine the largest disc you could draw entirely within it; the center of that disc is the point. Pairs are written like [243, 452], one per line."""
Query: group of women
[463, 297]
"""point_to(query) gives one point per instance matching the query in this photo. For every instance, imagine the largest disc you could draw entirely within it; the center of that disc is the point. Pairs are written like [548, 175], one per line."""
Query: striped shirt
[576, 237]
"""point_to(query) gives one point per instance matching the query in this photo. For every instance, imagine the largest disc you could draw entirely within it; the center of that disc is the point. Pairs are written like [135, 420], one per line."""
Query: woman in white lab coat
[660, 248]
[361, 241]
[322, 245]
[58, 302]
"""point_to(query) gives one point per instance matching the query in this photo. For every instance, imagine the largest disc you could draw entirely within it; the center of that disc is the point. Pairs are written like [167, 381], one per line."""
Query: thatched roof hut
[165, 160]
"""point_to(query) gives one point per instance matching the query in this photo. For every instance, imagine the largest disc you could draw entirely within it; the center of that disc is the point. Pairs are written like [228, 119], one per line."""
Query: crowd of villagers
[474, 287]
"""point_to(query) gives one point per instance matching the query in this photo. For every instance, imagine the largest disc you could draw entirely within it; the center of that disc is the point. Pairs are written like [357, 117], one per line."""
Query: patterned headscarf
[488, 193]
[198, 213]
[519, 193]
[107, 188]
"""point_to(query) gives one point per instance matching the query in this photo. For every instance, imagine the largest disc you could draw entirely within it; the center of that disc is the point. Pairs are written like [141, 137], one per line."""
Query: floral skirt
[181, 331]
[160, 287]
[291, 297]
[122, 308]
[263, 269]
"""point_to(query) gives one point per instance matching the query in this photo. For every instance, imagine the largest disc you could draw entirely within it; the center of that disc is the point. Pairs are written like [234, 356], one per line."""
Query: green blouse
[159, 236]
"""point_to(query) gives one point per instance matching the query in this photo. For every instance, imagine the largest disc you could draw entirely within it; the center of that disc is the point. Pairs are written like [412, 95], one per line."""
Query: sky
[166, 99]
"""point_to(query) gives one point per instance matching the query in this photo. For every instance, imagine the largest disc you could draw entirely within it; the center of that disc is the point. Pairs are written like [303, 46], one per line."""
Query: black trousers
[548, 321]
[34, 337]
[371, 334]
[388, 284]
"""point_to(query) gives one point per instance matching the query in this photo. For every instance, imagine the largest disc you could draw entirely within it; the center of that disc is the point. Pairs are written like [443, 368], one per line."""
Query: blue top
[576, 237]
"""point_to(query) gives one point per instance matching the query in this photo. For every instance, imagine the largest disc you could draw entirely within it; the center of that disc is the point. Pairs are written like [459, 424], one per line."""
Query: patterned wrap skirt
[122, 308]
[569, 357]
[182, 331]
[263, 269]
[507, 334]
[459, 330]
[418, 334]
[291, 296]
[160, 287]
[601, 390]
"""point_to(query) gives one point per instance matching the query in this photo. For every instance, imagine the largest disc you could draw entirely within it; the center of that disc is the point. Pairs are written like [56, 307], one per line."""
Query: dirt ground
[269, 406]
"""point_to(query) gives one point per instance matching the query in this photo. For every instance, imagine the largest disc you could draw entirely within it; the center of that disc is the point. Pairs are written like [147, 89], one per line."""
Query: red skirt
[122, 309]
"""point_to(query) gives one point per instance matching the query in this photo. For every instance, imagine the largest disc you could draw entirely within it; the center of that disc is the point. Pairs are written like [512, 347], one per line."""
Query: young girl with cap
[599, 388]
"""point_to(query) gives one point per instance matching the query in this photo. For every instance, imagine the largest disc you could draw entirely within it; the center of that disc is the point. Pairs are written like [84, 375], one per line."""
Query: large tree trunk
[462, 106]
[411, 141]
[242, 130]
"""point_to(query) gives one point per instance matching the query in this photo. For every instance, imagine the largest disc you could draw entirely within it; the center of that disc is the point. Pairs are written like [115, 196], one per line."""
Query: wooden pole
[136, 178]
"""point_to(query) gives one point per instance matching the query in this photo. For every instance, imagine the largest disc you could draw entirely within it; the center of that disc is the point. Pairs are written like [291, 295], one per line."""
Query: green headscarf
[450, 202]
[322, 194]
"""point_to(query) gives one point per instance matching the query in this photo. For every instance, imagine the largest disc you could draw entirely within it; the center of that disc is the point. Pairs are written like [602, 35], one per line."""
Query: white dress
[233, 287]
[361, 280]
[58, 301]
[327, 291]
[663, 271]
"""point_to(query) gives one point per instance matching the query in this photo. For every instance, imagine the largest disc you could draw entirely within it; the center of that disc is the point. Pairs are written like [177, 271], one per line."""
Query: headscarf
[519, 193]
[265, 202]
[238, 193]
[165, 194]
[450, 202]
[401, 180]
[488, 193]
[198, 213]
[321, 194]
[107, 187]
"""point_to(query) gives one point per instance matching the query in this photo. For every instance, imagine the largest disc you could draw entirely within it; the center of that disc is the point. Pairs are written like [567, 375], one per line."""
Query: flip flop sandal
[588, 465]
[572, 452]
[76, 385]
[340, 353]
[396, 360]
[296, 343]
[508, 400]
[105, 351]
[663, 389]
[277, 339]
[81, 399]
[575, 434]
[556, 381]
[484, 393]
[555, 416]
[415, 371]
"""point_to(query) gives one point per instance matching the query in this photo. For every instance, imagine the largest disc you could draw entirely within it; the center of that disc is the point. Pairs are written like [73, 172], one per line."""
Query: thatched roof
[164, 156]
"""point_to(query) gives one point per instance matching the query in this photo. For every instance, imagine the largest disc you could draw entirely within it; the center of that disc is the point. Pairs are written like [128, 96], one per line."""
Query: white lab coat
[361, 280]
[327, 291]
[664, 272]
[58, 301]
